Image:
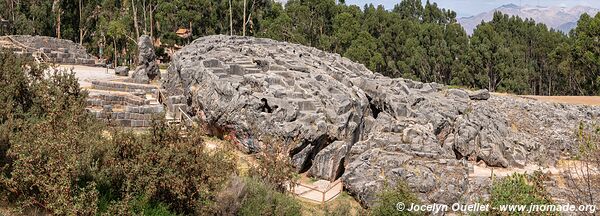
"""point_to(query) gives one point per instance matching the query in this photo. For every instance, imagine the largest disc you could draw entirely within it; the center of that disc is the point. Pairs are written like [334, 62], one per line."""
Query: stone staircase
[176, 110]
[124, 104]
[48, 51]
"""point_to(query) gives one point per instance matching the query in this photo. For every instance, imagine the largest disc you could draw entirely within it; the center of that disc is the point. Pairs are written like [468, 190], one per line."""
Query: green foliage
[389, 196]
[274, 166]
[519, 189]
[165, 167]
[588, 136]
[56, 160]
[339, 210]
[47, 140]
[261, 199]
[143, 206]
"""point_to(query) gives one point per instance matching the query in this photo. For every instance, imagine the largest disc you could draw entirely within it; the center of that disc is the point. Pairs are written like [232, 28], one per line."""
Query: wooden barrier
[316, 194]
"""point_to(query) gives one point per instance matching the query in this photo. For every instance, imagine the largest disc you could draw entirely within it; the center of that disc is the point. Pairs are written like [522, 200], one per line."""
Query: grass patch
[344, 204]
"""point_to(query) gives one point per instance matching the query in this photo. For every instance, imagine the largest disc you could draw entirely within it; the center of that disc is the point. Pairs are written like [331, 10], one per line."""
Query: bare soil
[580, 100]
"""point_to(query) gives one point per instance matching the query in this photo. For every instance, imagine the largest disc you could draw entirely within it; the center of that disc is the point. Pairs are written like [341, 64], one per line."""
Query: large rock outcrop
[346, 121]
[147, 68]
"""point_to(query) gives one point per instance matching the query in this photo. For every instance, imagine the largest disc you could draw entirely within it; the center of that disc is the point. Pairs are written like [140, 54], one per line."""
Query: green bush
[55, 158]
[519, 189]
[339, 210]
[177, 171]
[261, 199]
[388, 197]
[47, 158]
[274, 166]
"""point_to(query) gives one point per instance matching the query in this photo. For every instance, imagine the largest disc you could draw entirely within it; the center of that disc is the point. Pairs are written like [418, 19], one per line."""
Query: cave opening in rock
[340, 169]
[265, 106]
[374, 109]
[457, 154]
[189, 101]
[317, 145]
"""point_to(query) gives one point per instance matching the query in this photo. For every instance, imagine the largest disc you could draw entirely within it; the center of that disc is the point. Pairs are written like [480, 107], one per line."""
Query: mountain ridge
[560, 18]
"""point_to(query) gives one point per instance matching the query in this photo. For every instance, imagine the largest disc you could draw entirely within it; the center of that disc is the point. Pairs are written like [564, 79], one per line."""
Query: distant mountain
[561, 18]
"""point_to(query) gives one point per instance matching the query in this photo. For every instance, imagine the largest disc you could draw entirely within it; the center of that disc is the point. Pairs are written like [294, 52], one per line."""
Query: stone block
[120, 115]
[125, 122]
[62, 55]
[122, 71]
[136, 123]
[107, 108]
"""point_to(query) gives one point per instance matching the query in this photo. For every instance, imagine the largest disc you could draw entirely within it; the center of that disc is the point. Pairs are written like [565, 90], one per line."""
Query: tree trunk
[230, 19]
[80, 24]
[152, 20]
[191, 32]
[244, 20]
[12, 10]
[145, 17]
[56, 9]
[58, 24]
[115, 61]
[135, 21]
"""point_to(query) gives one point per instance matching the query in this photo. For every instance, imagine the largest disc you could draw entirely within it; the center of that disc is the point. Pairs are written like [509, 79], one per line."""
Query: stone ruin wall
[51, 49]
[123, 104]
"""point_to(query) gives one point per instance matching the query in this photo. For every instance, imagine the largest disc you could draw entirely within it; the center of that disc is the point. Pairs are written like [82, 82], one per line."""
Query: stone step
[248, 66]
[123, 86]
[145, 109]
[102, 97]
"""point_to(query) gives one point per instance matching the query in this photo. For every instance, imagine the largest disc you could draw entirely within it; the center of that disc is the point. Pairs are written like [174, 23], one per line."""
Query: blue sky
[473, 7]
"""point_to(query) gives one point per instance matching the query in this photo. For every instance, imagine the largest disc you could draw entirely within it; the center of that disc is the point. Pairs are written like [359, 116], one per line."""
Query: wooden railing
[161, 97]
[316, 194]
[185, 118]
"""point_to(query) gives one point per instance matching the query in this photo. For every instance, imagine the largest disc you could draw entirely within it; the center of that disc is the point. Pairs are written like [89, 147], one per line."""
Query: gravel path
[581, 100]
[86, 74]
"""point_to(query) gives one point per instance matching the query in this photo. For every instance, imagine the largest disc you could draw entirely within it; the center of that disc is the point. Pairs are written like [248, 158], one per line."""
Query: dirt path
[580, 100]
[563, 166]
[86, 74]
[483, 171]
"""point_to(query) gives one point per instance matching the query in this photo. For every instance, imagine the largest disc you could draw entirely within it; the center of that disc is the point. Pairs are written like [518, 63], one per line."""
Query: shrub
[54, 158]
[165, 167]
[388, 197]
[249, 196]
[47, 140]
[261, 199]
[274, 165]
[519, 189]
[229, 200]
[582, 176]
[338, 210]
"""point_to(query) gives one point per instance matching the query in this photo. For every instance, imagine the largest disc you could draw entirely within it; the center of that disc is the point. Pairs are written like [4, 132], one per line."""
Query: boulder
[459, 93]
[147, 68]
[483, 94]
[122, 71]
[344, 121]
[329, 162]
